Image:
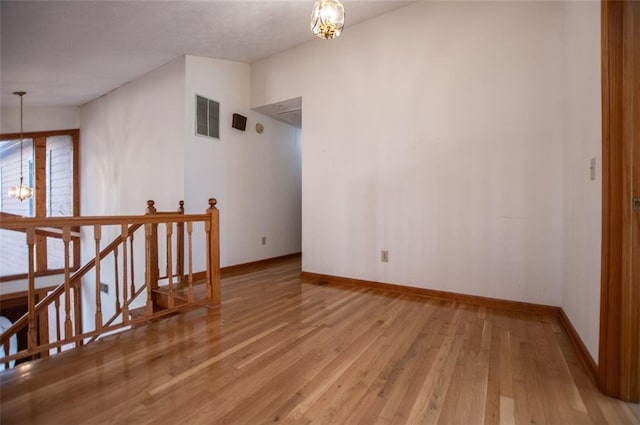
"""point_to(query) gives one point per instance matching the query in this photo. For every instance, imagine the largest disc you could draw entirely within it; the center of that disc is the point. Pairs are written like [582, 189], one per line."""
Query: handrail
[50, 231]
[44, 233]
[73, 329]
[23, 223]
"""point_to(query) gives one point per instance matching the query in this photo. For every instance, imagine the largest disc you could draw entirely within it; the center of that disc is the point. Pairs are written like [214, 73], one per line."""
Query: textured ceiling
[70, 52]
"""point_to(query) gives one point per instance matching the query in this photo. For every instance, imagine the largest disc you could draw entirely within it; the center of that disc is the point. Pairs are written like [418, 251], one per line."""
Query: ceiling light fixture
[21, 192]
[327, 19]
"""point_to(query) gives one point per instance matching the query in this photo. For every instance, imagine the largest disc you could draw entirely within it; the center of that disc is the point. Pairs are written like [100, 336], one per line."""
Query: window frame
[40, 198]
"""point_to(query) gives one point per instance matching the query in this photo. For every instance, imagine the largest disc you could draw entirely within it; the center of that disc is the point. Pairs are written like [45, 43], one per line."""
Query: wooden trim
[75, 135]
[244, 267]
[254, 265]
[606, 338]
[578, 345]
[34, 134]
[619, 350]
[496, 303]
[40, 154]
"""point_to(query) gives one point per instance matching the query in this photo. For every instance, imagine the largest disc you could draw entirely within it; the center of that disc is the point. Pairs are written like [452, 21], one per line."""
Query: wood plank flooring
[282, 350]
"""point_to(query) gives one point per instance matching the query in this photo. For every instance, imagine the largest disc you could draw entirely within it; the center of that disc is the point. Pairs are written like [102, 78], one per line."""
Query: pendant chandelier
[21, 192]
[327, 19]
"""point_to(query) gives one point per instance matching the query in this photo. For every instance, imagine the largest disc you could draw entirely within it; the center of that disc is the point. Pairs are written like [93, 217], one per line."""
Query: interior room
[420, 215]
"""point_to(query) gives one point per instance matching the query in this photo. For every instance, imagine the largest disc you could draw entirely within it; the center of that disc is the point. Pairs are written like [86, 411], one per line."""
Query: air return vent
[207, 117]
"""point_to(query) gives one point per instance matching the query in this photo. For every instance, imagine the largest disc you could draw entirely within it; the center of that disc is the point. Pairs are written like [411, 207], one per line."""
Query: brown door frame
[619, 356]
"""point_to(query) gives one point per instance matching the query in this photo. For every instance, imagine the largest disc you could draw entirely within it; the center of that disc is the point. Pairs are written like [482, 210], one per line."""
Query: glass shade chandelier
[21, 192]
[327, 19]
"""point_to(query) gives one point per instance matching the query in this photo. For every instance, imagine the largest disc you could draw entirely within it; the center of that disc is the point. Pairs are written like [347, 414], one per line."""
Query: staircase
[162, 306]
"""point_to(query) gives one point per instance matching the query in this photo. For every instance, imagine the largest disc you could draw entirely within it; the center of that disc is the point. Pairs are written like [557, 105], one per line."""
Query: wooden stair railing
[68, 293]
[43, 233]
[54, 295]
[155, 273]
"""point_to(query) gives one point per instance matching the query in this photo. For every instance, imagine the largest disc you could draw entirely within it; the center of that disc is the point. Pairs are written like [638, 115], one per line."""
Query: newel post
[212, 228]
[153, 268]
[180, 244]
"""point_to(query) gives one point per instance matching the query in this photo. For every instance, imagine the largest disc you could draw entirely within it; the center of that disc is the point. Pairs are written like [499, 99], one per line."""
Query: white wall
[583, 197]
[138, 143]
[132, 145]
[39, 118]
[255, 177]
[434, 132]
[132, 150]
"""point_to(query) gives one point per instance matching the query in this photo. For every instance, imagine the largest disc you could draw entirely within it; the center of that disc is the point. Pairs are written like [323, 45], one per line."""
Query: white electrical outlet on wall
[384, 256]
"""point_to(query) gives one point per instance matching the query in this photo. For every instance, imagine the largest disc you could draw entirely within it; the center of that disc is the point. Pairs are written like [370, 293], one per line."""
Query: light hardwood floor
[282, 350]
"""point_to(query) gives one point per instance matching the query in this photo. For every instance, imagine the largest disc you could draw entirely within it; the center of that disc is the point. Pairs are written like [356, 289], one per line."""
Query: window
[50, 166]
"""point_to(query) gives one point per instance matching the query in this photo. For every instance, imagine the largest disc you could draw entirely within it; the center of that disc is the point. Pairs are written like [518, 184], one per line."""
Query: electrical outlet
[264, 240]
[384, 256]
[104, 288]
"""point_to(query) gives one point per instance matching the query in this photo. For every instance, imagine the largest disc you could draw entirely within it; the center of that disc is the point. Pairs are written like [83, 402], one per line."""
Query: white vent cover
[207, 117]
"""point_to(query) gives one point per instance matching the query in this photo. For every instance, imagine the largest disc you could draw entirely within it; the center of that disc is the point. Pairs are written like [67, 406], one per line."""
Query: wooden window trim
[39, 142]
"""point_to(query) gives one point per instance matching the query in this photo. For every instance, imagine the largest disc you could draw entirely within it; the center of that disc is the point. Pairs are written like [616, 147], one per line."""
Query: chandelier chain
[21, 139]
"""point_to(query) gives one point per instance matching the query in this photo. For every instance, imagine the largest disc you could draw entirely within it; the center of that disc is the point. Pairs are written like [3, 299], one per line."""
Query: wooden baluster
[97, 236]
[148, 230]
[190, 278]
[132, 262]
[125, 296]
[117, 280]
[58, 326]
[152, 265]
[180, 245]
[66, 237]
[77, 310]
[7, 347]
[213, 252]
[32, 333]
[43, 326]
[172, 302]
